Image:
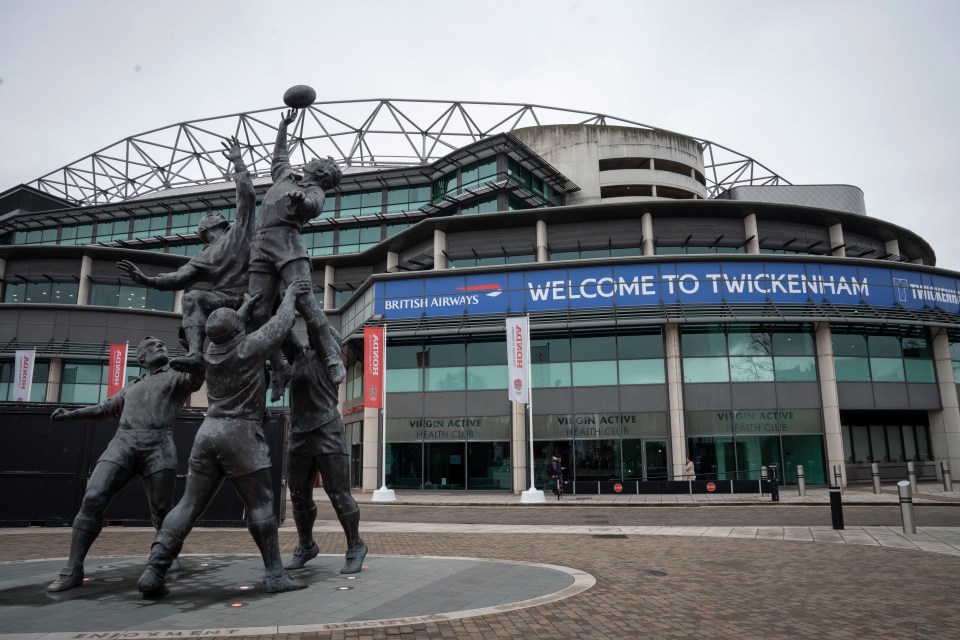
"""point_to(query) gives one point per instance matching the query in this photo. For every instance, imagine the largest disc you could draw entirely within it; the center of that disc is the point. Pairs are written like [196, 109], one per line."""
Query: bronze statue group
[245, 266]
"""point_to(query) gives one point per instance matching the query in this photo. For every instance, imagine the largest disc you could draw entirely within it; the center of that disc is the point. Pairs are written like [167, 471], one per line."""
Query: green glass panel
[919, 370]
[795, 368]
[492, 352]
[555, 374]
[486, 377]
[445, 379]
[594, 374]
[641, 372]
[793, 344]
[886, 369]
[404, 380]
[704, 341]
[705, 370]
[916, 347]
[594, 347]
[751, 369]
[849, 344]
[636, 346]
[750, 343]
[852, 369]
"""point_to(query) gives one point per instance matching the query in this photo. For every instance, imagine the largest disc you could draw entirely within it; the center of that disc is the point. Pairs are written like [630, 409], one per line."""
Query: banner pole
[383, 494]
[531, 495]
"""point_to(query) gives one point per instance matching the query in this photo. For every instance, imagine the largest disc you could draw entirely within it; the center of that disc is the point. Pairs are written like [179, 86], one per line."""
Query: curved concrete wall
[577, 151]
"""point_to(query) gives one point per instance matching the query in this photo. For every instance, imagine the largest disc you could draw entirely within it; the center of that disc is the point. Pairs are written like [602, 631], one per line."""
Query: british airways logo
[465, 296]
[489, 290]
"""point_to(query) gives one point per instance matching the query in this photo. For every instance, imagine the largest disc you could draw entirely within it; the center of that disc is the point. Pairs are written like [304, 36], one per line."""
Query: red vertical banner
[374, 366]
[117, 375]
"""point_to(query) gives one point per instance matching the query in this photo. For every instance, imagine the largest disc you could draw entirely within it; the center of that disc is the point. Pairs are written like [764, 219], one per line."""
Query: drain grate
[610, 536]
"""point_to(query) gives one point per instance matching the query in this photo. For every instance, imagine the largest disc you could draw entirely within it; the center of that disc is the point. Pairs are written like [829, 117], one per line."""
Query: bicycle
[558, 488]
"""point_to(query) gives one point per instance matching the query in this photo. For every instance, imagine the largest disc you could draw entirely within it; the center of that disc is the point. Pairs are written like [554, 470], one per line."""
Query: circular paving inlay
[203, 596]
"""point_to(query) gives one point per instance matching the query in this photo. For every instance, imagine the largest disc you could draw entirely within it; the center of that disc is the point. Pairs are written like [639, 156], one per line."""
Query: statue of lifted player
[230, 442]
[317, 441]
[222, 262]
[278, 254]
[142, 446]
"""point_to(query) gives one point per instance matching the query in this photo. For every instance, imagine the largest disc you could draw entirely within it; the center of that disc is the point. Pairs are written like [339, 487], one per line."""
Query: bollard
[801, 481]
[775, 485]
[763, 473]
[875, 472]
[912, 475]
[836, 509]
[906, 506]
[947, 480]
[838, 478]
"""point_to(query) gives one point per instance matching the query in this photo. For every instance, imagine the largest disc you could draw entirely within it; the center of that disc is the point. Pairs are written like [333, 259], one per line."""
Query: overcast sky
[863, 93]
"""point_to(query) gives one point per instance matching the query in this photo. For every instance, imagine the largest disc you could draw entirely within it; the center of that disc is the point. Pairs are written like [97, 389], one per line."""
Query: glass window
[404, 380]
[793, 344]
[751, 369]
[130, 297]
[641, 372]
[852, 369]
[407, 198]
[594, 374]
[887, 369]
[371, 202]
[586, 347]
[445, 379]
[919, 370]
[916, 347]
[486, 377]
[704, 341]
[849, 344]
[884, 346]
[405, 356]
[633, 346]
[551, 374]
[38, 386]
[795, 368]
[743, 342]
[451, 354]
[705, 370]
[493, 352]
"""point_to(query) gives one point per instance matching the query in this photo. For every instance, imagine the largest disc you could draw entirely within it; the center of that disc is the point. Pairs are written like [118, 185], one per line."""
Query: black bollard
[775, 486]
[836, 509]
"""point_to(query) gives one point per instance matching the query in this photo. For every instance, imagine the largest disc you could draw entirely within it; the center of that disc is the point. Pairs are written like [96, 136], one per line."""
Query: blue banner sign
[688, 283]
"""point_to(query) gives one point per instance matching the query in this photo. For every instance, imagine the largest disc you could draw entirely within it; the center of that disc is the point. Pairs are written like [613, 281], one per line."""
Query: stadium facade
[683, 299]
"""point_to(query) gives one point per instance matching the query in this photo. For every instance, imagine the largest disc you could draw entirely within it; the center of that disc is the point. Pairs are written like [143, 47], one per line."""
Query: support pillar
[393, 259]
[83, 289]
[678, 438]
[54, 377]
[329, 294]
[178, 301]
[893, 247]
[831, 403]
[439, 248]
[945, 423]
[752, 234]
[836, 241]
[646, 229]
[543, 253]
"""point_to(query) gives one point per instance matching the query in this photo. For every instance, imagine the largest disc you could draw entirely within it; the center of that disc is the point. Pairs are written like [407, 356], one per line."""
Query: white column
[521, 448]
[3, 268]
[83, 289]
[543, 254]
[678, 438]
[54, 376]
[329, 273]
[439, 246]
[893, 247]
[831, 402]
[392, 259]
[945, 424]
[836, 241]
[371, 450]
[752, 234]
[646, 229]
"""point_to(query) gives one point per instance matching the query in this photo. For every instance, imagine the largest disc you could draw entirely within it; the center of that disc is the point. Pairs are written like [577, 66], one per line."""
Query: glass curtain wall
[868, 354]
[38, 387]
[748, 353]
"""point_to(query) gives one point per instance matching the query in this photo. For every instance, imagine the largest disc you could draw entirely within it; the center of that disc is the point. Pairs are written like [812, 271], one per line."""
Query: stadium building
[683, 299]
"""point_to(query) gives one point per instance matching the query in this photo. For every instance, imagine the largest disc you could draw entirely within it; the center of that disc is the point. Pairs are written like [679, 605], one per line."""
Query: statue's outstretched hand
[289, 117]
[231, 148]
[133, 272]
[296, 197]
[59, 414]
[298, 288]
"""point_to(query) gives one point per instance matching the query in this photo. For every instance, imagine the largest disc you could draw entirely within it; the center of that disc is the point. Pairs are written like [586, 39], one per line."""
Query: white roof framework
[371, 133]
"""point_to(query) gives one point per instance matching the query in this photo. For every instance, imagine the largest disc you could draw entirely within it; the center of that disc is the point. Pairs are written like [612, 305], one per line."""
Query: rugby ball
[299, 96]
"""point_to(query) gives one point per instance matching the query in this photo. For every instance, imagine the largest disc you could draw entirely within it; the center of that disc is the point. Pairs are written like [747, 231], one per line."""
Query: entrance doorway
[445, 465]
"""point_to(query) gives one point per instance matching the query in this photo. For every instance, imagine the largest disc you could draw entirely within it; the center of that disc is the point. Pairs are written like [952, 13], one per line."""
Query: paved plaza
[493, 580]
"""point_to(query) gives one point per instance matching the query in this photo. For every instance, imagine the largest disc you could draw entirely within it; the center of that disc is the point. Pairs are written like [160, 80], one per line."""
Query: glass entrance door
[446, 466]
[655, 462]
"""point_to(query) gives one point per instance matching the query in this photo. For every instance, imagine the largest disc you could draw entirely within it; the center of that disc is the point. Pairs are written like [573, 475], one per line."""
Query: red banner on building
[374, 366]
[117, 374]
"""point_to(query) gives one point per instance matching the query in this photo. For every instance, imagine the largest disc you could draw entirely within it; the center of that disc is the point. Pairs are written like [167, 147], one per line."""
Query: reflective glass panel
[594, 374]
[751, 369]
[795, 368]
[641, 372]
[852, 369]
[705, 370]
[887, 369]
